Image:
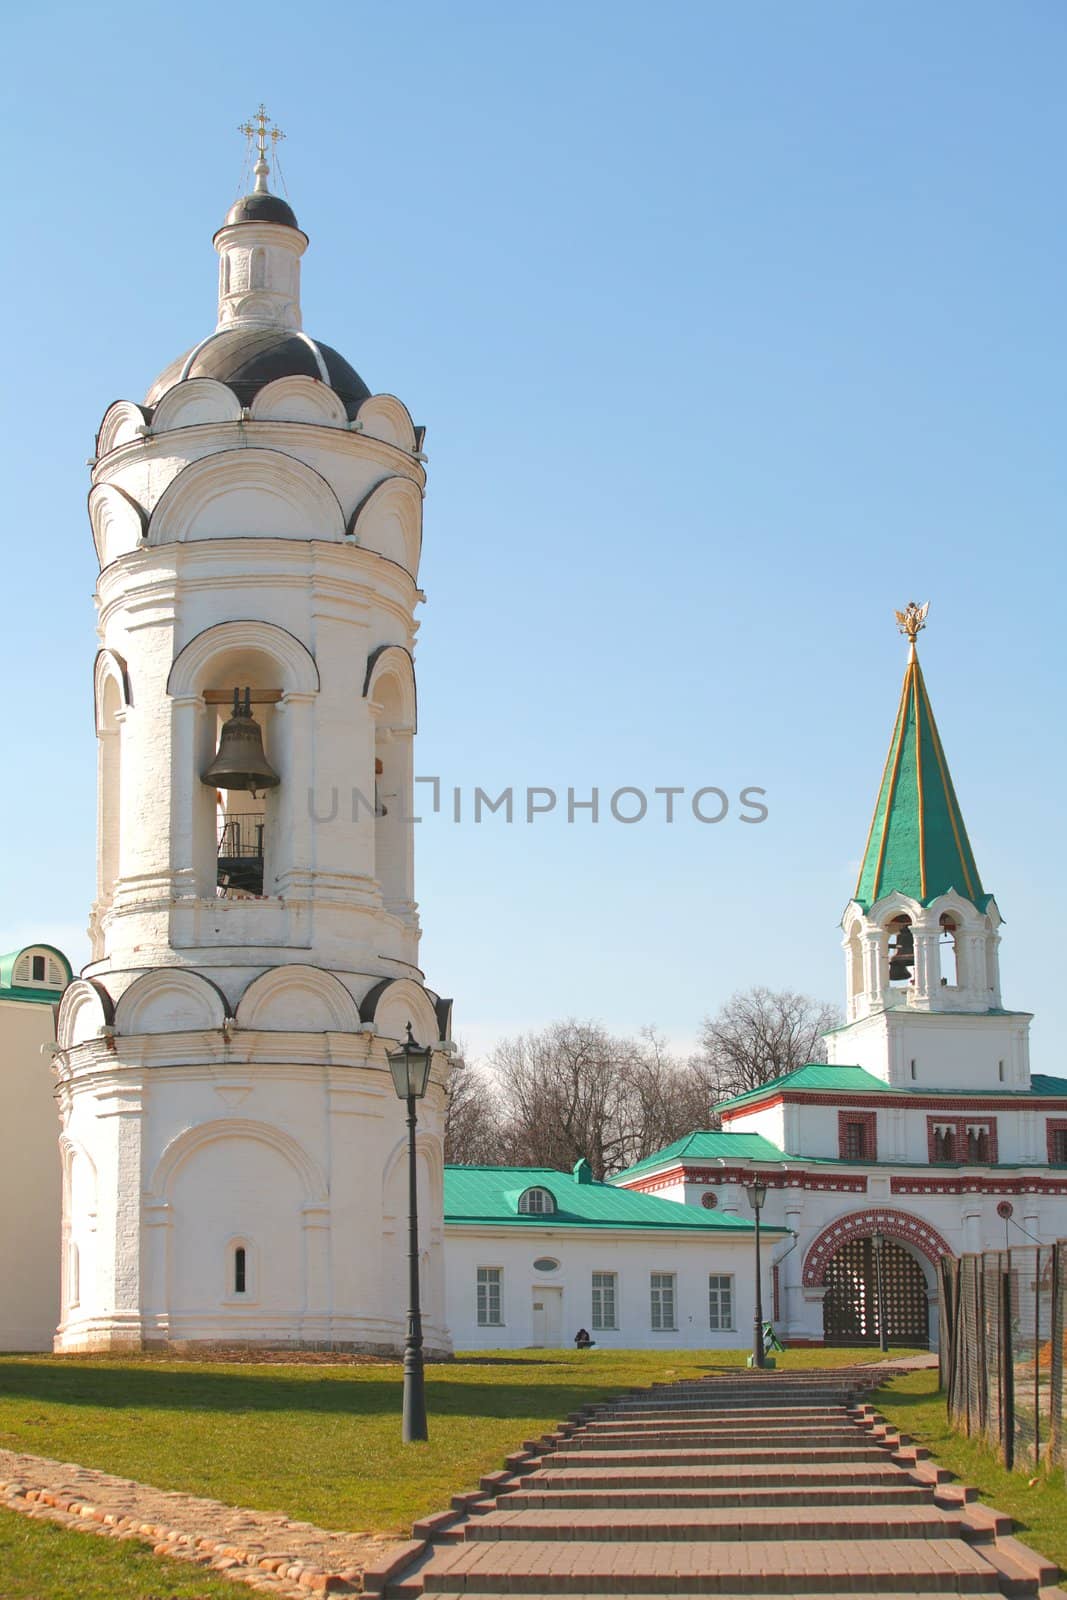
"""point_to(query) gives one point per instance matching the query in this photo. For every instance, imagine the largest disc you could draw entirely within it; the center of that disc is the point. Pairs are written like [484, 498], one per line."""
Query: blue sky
[733, 328]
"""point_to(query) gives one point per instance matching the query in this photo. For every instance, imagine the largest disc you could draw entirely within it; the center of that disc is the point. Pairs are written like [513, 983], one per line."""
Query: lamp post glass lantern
[410, 1067]
[757, 1194]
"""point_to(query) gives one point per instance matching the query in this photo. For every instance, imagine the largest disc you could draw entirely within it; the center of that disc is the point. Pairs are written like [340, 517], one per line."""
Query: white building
[31, 982]
[533, 1255]
[926, 1127]
[233, 1150]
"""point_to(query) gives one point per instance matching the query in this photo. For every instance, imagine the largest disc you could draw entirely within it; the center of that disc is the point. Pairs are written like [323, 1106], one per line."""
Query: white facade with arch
[222, 1072]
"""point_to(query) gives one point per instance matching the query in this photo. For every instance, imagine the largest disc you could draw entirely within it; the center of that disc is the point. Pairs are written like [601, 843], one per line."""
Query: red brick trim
[868, 1121]
[1052, 1126]
[910, 1102]
[821, 1182]
[859, 1225]
[938, 1184]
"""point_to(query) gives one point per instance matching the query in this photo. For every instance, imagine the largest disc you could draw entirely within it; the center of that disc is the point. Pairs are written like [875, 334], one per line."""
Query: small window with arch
[537, 1202]
[240, 1270]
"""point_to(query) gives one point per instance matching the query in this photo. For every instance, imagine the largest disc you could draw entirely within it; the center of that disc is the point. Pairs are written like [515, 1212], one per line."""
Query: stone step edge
[441, 1527]
[283, 1576]
[1023, 1571]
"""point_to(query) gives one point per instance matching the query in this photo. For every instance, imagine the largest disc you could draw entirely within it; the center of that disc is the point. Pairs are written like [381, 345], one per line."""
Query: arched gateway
[843, 1260]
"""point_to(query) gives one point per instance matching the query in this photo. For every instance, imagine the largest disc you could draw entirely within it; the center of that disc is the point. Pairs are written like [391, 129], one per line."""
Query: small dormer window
[39, 969]
[537, 1202]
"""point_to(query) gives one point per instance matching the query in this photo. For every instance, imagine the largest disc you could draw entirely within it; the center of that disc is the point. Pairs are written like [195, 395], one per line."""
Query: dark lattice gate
[850, 1308]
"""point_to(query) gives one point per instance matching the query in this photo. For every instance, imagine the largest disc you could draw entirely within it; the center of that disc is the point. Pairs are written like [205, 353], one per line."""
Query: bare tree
[760, 1034]
[573, 1090]
[472, 1120]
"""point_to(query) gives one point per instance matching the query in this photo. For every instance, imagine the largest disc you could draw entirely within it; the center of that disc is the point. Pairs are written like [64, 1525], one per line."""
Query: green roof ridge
[708, 1144]
[484, 1195]
[917, 843]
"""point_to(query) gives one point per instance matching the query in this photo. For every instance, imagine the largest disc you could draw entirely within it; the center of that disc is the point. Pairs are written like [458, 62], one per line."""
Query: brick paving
[752, 1485]
[270, 1552]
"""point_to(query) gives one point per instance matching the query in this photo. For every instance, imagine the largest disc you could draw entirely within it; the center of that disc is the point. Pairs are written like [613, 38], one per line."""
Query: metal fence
[1001, 1349]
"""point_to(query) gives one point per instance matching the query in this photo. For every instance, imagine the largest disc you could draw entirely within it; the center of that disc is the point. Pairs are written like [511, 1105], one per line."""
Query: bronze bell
[240, 762]
[902, 956]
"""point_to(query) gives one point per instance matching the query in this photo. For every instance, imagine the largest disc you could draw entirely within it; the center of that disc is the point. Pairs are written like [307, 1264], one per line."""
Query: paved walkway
[751, 1484]
[271, 1553]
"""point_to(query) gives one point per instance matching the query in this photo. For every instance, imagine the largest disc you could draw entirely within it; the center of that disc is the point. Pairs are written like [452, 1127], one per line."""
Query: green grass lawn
[319, 1443]
[916, 1406]
[41, 1561]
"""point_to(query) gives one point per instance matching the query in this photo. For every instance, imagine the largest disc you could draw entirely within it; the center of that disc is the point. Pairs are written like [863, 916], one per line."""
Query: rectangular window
[944, 1142]
[662, 1301]
[605, 1300]
[489, 1281]
[962, 1140]
[857, 1135]
[1057, 1144]
[977, 1142]
[855, 1141]
[38, 969]
[720, 1301]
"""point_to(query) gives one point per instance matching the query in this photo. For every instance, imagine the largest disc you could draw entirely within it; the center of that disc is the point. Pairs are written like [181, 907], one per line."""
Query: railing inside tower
[1002, 1349]
[240, 863]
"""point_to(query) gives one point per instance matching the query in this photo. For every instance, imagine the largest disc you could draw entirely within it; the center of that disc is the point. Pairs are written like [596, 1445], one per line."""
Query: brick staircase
[754, 1484]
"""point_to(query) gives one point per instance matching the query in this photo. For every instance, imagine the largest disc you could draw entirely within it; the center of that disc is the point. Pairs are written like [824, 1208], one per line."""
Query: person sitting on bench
[582, 1340]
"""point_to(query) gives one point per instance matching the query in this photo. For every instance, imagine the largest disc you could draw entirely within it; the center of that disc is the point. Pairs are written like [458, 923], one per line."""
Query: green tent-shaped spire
[917, 844]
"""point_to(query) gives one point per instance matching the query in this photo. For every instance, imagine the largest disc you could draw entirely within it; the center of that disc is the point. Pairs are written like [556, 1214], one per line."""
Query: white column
[873, 981]
[184, 781]
[293, 848]
[925, 992]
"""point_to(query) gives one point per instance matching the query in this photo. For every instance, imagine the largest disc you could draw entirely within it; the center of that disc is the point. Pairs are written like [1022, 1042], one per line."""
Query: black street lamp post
[757, 1194]
[410, 1067]
[879, 1283]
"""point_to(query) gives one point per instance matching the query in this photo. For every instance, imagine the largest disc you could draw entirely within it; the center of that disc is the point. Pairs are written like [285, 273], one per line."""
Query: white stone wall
[633, 1254]
[950, 1050]
[29, 1179]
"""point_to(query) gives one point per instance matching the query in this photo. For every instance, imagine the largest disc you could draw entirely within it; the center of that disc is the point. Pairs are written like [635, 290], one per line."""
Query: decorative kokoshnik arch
[858, 1225]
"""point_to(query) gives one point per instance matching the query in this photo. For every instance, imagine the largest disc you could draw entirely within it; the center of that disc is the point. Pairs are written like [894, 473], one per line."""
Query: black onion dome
[262, 208]
[247, 359]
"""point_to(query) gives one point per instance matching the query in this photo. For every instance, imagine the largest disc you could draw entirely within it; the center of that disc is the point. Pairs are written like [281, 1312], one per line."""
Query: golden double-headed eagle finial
[912, 620]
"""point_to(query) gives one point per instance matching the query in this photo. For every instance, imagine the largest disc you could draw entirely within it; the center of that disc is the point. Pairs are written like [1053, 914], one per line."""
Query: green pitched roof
[708, 1146]
[917, 842]
[1042, 1084]
[491, 1195]
[817, 1075]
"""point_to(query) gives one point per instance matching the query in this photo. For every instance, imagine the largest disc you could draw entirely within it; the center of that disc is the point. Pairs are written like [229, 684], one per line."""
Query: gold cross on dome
[260, 128]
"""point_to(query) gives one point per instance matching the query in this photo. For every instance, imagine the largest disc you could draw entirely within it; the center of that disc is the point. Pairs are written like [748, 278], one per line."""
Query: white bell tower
[921, 935]
[233, 1150]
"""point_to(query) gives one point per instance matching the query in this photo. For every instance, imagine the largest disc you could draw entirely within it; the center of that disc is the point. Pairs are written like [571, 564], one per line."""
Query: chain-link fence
[1001, 1349]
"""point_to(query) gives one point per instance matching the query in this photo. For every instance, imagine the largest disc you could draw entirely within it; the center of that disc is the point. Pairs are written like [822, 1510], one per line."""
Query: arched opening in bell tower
[900, 940]
[949, 950]
[235, 832]
[393, 709]
[110, 797]
[242, 807]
